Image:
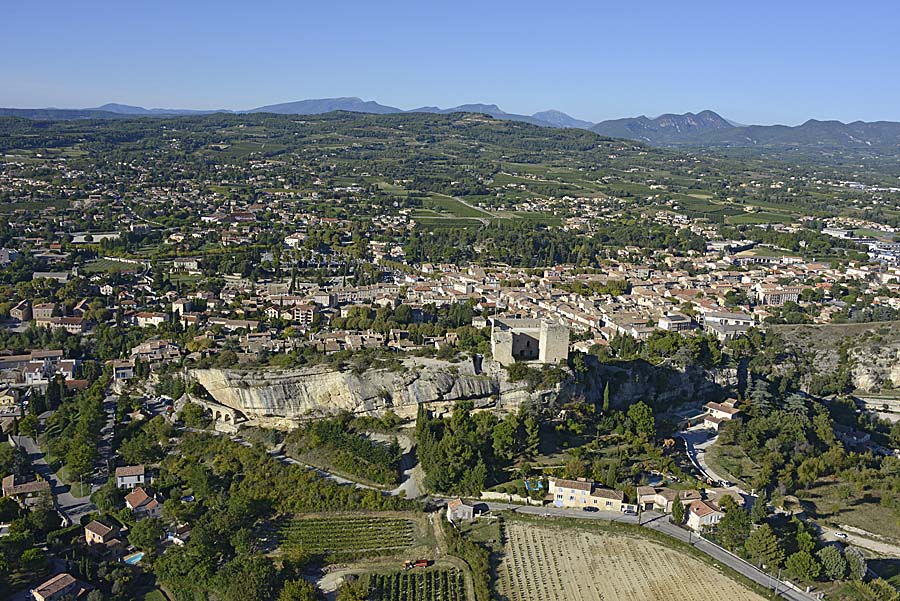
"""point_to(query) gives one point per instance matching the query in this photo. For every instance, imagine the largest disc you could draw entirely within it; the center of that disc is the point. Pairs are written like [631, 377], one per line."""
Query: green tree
[81, 456]
[834, 566]
[606, 399]
[734, 528]
[678, 511]
[806, 542]
[803, 566]
[194, 416]
[352, 591]
[146, 534]
[298, 590]
[504, 440]
[642, 421]
[532, 436]
[759, 511]
[29, 425]
[247, 577]
[762, 547]
[33, 560]
[856, 564]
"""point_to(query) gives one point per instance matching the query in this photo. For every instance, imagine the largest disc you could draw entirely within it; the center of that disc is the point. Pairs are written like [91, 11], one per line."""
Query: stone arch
[217, 415]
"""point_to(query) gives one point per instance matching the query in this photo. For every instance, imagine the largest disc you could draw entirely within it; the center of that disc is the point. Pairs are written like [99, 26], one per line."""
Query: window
[559, 496]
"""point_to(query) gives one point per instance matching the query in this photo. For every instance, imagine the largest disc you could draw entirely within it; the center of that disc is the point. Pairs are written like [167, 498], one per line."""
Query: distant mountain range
[665, 129]
[703, 129]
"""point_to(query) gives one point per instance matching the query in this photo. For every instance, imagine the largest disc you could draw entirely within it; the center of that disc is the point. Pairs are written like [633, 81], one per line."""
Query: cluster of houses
[702, 508]
[36, 368]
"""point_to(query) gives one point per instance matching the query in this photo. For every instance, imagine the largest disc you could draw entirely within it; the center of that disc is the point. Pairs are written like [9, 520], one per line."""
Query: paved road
[609, 516]
[104, 446]
[68, 504]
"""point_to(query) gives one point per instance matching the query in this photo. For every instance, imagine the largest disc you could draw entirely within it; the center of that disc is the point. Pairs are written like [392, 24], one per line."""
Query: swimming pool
[134, 558]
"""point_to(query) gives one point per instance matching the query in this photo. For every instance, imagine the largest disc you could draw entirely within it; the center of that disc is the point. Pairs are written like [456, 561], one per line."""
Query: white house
[702, 515]
[130, 476]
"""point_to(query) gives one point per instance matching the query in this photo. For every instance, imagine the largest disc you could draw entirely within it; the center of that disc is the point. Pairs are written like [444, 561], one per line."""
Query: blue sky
[754, 62]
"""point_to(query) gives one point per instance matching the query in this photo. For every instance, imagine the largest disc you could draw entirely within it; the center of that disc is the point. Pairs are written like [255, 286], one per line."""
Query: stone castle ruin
[534, 340]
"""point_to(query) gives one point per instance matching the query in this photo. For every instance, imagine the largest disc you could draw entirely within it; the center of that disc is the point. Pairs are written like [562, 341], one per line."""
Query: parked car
[589, 508]
[841, 535]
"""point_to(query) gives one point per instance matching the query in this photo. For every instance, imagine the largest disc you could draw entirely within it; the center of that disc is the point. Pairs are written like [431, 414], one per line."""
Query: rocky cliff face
[662, 386]
[293, 394]
[870, 351]
[316, 391]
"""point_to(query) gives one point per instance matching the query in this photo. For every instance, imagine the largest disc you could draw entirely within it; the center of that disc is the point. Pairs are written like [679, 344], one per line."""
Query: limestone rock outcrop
[321, 390]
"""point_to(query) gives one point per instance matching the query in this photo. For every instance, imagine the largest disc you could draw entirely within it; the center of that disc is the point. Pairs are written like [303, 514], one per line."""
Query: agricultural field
[418, 585]
[345, 536]
[557, 564]
[754, 218]
[111, 266]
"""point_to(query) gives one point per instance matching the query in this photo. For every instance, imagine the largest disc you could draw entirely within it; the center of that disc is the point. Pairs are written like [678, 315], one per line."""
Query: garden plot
[420, 585]
[552, 564]
[338, 536]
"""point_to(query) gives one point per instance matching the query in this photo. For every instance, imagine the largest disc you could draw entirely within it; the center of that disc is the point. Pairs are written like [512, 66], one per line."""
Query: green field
[348, 536]
[110, 266]
[455, 208]
[754, 218]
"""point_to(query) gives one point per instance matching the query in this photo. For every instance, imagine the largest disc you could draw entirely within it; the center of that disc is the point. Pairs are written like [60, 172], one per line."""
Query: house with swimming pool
[584, 493]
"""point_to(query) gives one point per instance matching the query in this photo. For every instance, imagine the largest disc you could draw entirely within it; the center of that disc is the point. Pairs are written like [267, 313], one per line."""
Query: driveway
[696, 441]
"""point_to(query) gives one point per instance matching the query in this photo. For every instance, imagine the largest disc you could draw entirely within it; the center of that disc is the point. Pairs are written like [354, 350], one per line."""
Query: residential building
[459, 510]
[130, 476]
[142, 504]
[72, 325]
[776, 295]
[43, 310]
[726, 325]
[717, 413]
[22, 311]
[9, 402]
[584, 493]
[675, 322]
[146, 319]
[25, 493]
[662, 498]
[157, 351]
[703, 515]
[98, 533]
[122, 369]
[58, 587]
